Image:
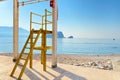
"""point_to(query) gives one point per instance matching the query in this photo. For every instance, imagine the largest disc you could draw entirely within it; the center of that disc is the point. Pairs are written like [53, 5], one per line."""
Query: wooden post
[54, 35]
[15, 28]
[31, 40]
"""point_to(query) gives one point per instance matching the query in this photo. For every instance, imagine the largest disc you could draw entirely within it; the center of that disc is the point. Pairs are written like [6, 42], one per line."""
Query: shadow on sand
[66, 73]
[63, 73]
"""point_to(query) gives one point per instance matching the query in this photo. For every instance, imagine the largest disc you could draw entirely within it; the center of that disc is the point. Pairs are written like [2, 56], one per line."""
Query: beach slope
[62, 72]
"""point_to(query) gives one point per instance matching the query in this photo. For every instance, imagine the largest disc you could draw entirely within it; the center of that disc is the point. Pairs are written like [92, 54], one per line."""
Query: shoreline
[62, 72]
[97, 55]
[102, 61]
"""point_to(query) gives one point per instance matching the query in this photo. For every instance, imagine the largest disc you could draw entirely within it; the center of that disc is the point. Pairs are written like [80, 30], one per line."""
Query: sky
[79, 18]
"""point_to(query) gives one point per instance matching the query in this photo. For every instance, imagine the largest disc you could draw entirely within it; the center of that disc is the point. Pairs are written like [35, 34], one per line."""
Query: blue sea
[68, 46]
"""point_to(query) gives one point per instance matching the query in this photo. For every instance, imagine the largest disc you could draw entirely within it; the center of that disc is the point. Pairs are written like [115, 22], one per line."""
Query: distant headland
[8, 31]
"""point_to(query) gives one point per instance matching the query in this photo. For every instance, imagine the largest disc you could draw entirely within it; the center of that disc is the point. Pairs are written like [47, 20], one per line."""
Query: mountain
[8, 32]
[5, 29]
[60, 34]
[70, 37]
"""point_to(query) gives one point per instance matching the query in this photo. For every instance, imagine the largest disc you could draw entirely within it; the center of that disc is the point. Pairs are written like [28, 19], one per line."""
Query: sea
[67, 45]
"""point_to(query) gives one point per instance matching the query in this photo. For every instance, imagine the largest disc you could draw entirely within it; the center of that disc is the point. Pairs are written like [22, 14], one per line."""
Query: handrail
[49, 22]
[32, 22]
[47, 15]
[45, 19]
[48, 11]
[37, 23]
[36, 14]
[44, 22]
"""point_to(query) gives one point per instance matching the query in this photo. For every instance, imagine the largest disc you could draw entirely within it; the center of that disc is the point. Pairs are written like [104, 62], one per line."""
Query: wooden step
[29, 42]
[41, 48]
[20, 64]
[47, 31]
[23, 58]
[27, 48]
[34, 37]
[26, 53]
[36, 31]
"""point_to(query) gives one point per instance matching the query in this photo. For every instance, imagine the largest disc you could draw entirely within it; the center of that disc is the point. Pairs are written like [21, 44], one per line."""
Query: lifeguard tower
[34, 35]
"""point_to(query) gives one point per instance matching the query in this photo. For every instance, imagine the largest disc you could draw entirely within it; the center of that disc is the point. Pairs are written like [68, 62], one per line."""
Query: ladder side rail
[42, 41]
[28, 57]
[26, 43]
[31, 45]
[37, 37]
[17, 62]
[25, 64]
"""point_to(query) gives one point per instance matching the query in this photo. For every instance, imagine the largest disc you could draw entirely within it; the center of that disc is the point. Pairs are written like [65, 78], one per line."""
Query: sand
[64, 70]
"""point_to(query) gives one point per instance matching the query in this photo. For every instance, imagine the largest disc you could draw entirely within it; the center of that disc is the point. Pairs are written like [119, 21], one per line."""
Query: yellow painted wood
[13, 71]
[37, 23]
[43, 31]
[29, 55]
[42, 52]
[31, 51]
[22, 58]
[42, 48]
[30, 21]
[47, 31]
[37, 14]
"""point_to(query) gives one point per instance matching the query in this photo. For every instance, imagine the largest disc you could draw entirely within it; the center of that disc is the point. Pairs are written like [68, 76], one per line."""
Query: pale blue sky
[80, 18]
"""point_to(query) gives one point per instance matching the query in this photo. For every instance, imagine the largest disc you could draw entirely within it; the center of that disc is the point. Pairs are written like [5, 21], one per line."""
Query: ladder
[30, 45]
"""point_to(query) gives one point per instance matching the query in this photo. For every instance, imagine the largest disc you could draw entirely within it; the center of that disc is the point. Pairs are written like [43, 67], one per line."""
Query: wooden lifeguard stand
[30, 45]
[17, 4]
[32, 40]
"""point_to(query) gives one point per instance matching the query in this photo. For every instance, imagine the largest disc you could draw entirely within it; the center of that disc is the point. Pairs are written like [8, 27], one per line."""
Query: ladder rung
[49, 47]
[38, 48]
[34, 37]
[29, 42]
[41, 48]
[23, 58]
[20, 64]
[26, 53]
[27, 48]
[49, 32]
[36, 31]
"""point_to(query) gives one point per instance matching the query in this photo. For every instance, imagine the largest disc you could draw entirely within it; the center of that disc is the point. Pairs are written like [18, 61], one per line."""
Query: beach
[70, 67]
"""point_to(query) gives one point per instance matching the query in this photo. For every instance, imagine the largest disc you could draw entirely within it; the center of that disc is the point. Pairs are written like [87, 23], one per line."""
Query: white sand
[62, 72]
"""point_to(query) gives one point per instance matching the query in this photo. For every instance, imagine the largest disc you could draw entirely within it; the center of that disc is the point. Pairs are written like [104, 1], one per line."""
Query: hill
[8, 32]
